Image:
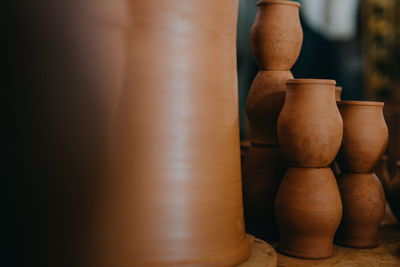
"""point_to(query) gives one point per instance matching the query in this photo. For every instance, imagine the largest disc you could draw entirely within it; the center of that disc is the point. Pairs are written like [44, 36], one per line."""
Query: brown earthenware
[276, 35]
[363, 201]
[175, 197]
[309, 126]
[365, 135]
[264, 170]
[382, 172]
[264, 103]
[394, 193]
[308, 211]
[338, 93]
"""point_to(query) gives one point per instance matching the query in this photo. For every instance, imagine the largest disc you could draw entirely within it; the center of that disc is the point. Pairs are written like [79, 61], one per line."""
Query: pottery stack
[365, 137]
[276, 37]
[307, 206]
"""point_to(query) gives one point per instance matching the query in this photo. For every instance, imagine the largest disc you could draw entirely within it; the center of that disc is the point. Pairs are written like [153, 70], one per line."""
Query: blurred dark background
[355, 42]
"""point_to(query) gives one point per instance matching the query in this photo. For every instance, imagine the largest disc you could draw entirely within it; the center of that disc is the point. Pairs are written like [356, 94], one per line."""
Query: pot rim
[310, 81]
[338, 88]
[360, 103]
[283, 2]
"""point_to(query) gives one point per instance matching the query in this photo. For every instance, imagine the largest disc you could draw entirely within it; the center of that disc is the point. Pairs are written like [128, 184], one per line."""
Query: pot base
[355, 244]
[306, 256]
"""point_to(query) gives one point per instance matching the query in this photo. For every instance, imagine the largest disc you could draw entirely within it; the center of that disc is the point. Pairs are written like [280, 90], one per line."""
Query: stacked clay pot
[307, 206]
[382, 172]
[394, 193]
[334, 166]
[276, 38]
[365, 137]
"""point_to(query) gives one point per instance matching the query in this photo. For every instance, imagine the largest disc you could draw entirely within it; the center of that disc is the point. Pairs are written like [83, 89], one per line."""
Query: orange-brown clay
[363, 201]
[310, 127]
[264, 103]
[365, 135]
[276, 35]
[338, 93]
[308, 211]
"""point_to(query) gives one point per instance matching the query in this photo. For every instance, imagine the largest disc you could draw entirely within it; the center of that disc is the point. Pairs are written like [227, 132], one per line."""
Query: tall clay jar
[310, 127]
[308, 206]
[276, 35]
[175, 194]
[365, 138]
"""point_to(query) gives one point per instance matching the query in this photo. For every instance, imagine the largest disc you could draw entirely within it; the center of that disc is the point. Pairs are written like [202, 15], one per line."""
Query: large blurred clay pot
[175, 195]
[264, 103]
[308, 211]
[363, 201]
[365, 135]
[309, 126]
[394, 193]
[276, 35]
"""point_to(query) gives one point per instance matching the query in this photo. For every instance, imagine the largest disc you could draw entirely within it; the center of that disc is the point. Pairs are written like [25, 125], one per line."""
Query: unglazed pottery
[264, 170]
[308, 211]
[394, 193]
[363, 202]
[276, 35]
[365, 135]
[381, 171]
[175, 194]
[310, 128]
[264, 103]
[338, 93]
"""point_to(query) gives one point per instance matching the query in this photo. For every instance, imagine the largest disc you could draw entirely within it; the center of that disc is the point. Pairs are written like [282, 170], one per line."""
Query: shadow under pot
[365, 135]
[310, 128]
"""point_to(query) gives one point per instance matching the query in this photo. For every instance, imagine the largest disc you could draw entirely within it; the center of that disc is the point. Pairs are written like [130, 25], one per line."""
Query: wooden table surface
[386, 254]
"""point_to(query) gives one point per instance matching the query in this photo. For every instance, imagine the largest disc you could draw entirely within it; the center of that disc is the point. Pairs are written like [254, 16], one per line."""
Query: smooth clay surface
[363, 201]
[276, 35]
[365, 135]
[310, 128]
[308, 211]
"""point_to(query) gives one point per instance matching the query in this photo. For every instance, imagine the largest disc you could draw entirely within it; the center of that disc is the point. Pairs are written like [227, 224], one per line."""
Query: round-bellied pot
[363, 201]
[394, 193]
[263, 173]
[175, 197]
[276, 35]
[309, 126]
[308, 211]
[365, 135]
[264, 103]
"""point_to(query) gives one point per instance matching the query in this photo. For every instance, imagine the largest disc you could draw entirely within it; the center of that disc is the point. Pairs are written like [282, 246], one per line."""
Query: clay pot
[365, 135]
[308, 211]
[338, 93]
[263, 172]
[394, 193]
[175, 194]
[363, 201]
[381, 171]
[264, 103]
[276, 35]
[309, 126]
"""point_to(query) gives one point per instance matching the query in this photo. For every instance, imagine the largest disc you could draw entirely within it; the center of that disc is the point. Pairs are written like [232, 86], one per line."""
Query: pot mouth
[283, 2]
[360, 103]
[310, 81]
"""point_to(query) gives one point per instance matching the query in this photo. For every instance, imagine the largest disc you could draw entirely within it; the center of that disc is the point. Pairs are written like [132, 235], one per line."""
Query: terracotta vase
[365, 135]
[175, 194]
[394, 193]
[382, 172]
[338, 93]
[308, 211]
[276, 35]
[309, 126]
[264, 103]
[264, 170]
[363, 201]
